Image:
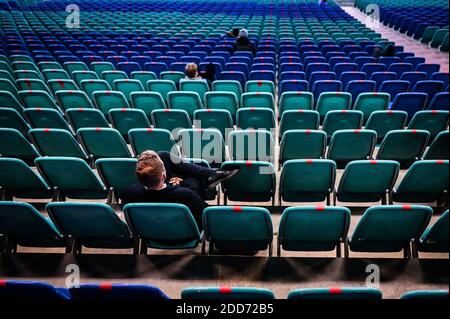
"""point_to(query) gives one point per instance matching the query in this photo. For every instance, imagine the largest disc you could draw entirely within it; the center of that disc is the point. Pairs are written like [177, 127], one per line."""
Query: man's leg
[175, 166]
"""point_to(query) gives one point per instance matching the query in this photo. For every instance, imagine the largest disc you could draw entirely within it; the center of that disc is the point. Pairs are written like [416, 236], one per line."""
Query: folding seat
[259, 118]
[313, 229]
[293, 86]
[18, 180]
[147, 102]
[320, 87]
[111, 76]
[8, 86]
[140, 60]
[322, 76]
[144, 77]
[79, 76]
[302, 144]
[15, 145]
[403, 146]
[336, 294]
[440, 102]
[187, 101]
[71, 177]
[258, 100]
[415, 61]
[162, 226]
[222, 101]
[263, 75]
[425, 182]
[400, 68]
[429, 69]
[371, 102]
[73, 99]
[411, 102]
[103, 143]
[199, 86]
[381, 77]
[388, 61]
[333, 101]
[156, 67]
[342, 120]
[162, 86]
[340, 68]
[335, 58]
[432, 121]
[440, 76]
[56, 142]
[27, 74]
[214, 119]
[24, 65]
[439, 148]
[254, 233]
[126, 119]
[158, 140]
[429, 87]
[393, 88]
[207, 144]
[413, 77]
[228, 86]
[171, 120]
[25, 226]
[100, 67]
[55, 75]
[75, 66]
[108, 100]
[370, 68]
[425, 295]
[227, 293]
[260, 86]
[127, 87]
[389, 229]
[291, 75]
[435, 238]
[251, 145]
[355, 88]
[360, 61]
[307, 180]
[367, 181]
[233, 76]
[262, 66]
[61, 85]
[351, 145]
[37, 99]
[76, 220]
[80, 118]
[172, 76]
[237, 67]
[117, 292]
[347, 77]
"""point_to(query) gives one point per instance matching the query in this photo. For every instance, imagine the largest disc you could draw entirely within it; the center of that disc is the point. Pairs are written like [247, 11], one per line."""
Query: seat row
[227, 229]
[36, 290]
[300, 181]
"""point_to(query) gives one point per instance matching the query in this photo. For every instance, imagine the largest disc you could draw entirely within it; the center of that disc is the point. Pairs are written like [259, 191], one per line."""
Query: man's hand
[176, 181]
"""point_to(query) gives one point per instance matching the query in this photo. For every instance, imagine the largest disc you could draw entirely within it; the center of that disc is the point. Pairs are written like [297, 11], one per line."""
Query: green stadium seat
[383, 122]
[255, 182]
[91, 86]
[333, 101]
[108, 100]
[91, 225]
[82, 118]
[313, 229]
[79, 76]
[163, 226]
[425, 295]
[207, 144]
[336, 294]
[100, 67]
[158, 140]
[14, 144]
[73, 100]
[403, 146]
[147, 102]
[351, 145]
[18, 180]
[439, 148]
[342, 120]
[56, 142]
[46, 118]
[257, 145]
[225, 293]
[228, 86]
[27, 227]
[371, 102]
[117, 173]
[256, 118]
[222, 101]
[367, 181]
[310, 180]
[162, 87]
[127, 87]
[111, 76]
[435, 238]
[8, 100]
[432, 121]
[302, 144]
[62, 85]
[258, 100]
[425, 182]
[199, 86]
[103, 143]
[389, 229]
[37, 99]
[72, 177]
[124, 120]
[299, 120]
[260, 86]
[186, 101]
[214, 118]
[238, 229]
[10, 118]
[143, 77]
[172, 76]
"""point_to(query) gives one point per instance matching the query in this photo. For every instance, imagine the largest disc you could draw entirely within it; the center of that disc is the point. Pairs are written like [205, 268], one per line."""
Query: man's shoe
[220, 177]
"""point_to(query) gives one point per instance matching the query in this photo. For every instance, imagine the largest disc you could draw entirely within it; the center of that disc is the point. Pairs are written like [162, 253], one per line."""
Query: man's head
[191, 70]
[150, 170]
[243, 33]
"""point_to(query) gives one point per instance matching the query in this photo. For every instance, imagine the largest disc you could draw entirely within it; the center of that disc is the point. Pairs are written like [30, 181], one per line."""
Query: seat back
[336, 294]
[103, 142]
[15, 290]
[56, 142]
[439, 148]
[117, 173]
[107, 291]
[383, 122]
[435, 239]
[226, 293]
[252, 145]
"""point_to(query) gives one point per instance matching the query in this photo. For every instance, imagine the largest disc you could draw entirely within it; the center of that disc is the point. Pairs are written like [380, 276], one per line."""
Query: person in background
[243, 43]
[233, 33]
[191, 72]
[209, 74]
[389, 51]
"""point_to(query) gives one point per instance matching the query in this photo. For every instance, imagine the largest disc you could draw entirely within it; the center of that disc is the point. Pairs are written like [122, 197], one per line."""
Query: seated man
[165, 178]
